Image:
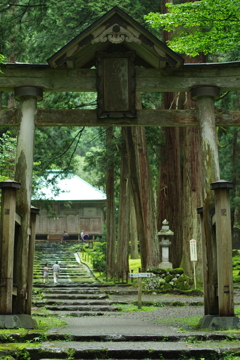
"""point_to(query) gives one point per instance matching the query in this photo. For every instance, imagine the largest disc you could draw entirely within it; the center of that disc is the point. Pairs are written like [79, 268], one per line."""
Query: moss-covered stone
[158, 271]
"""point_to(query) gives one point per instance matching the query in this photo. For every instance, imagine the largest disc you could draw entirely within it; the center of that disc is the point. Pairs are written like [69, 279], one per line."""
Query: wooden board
[144, 118]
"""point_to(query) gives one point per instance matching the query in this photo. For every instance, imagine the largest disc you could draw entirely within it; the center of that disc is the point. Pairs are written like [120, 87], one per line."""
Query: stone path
[77, 292]
[96, 332]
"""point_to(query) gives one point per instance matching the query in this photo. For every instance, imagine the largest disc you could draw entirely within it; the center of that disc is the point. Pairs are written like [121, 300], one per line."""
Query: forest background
[156, 169]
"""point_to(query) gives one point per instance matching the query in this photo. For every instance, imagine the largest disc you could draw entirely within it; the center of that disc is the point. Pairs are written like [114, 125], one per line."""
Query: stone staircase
[161, 347]
[113, 336]
[77, 293]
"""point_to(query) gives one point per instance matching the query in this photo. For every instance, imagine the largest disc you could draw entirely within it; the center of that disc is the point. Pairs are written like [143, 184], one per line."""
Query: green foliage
[168, 279]
[23, 355]
[8, 144]
[34, 31]
[159, 271]
[206, 26]
[2, 61]
[98, 256]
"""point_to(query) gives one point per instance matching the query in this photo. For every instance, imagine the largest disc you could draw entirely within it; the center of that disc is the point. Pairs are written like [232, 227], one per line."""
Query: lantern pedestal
[165, 232]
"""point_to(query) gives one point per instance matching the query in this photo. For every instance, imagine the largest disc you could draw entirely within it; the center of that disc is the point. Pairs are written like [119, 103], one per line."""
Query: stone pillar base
[17, 321]
[215, 322]
[165, 265]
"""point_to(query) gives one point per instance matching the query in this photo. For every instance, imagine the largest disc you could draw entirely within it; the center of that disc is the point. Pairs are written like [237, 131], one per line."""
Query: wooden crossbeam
[224, 75]
[146, 117]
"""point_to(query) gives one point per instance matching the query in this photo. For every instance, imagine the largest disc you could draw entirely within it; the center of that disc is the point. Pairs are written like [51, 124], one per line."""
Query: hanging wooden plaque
[116, 85]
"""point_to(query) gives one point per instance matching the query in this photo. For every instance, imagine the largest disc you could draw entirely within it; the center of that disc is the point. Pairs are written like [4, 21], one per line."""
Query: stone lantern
[165, 243]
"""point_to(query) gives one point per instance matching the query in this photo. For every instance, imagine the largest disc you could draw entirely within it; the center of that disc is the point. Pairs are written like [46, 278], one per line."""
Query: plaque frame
[116, 85]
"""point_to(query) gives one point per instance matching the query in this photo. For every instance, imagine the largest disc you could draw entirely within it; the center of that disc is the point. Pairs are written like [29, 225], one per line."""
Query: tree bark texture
[170, 192]
[148, 204]
[122, 268]
[133, 229]
[192, 185]
[136, 194]
[110, 212]
[180, 182]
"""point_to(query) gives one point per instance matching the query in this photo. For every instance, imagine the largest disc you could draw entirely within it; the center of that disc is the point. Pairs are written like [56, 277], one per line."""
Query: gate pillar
[34, 212]
[28, 97]
[205, 96]
[224, 246]
[9, 189]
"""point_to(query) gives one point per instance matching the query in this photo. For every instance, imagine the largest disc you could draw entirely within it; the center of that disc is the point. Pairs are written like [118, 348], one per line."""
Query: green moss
[183, 322]
[166, 286]
[48, 323]
[172, 272]
[134, 307]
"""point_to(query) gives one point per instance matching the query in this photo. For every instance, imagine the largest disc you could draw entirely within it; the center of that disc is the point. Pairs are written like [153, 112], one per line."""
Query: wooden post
[205, 96]
[224, 247]
[24, 167]
[139, 293]
[34, 212]
[204, 260]
[7, 244]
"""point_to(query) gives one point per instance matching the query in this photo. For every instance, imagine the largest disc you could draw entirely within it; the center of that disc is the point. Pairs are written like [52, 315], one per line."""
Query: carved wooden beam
[223, 75]
[145, 118]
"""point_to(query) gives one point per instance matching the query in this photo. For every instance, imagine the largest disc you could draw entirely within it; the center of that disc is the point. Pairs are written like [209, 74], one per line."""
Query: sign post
[140, 276]
[193, 257]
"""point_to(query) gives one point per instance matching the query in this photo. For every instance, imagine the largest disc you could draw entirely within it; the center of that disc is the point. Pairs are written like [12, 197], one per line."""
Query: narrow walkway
[77, 292]
[94, 332]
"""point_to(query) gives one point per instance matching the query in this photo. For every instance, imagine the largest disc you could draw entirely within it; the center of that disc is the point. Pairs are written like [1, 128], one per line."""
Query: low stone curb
[129, 350]
[191, 338]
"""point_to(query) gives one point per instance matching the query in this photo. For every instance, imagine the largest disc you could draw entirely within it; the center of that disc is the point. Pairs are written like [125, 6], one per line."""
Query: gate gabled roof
[112, 29]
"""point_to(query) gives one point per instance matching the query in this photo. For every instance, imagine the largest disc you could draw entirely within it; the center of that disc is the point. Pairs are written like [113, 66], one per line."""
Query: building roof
[115, 27]
[72, 188]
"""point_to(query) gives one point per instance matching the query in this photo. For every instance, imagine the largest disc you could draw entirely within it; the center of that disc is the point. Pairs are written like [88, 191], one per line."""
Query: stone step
[69, 302]
[74, 296]
[91, 288]
[67, 277]
[73, 285]
[76, 313]
[62, 275]
[71, 308]
[125, 350]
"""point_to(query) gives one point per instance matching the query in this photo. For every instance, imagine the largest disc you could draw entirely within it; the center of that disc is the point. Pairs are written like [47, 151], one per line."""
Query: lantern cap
[10, 184]
[221, 184]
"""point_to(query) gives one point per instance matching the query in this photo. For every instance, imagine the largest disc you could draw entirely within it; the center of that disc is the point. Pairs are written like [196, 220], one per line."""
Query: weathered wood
[34, 212]
[170, 79]
[7, 248]
[18, 219]
[210, 166]
[147, 117]
[23, 174]
[224, 247]
[204, 260]
[139, 293]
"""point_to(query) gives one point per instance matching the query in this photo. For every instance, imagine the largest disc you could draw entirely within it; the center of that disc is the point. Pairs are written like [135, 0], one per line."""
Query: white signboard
[140, 275]
[193, 250]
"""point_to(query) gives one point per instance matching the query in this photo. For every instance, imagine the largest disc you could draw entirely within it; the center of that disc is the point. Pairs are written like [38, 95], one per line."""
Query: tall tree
[136, 194]
[110, 212]
[124, 213]
[206, 26]
[180, 180]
